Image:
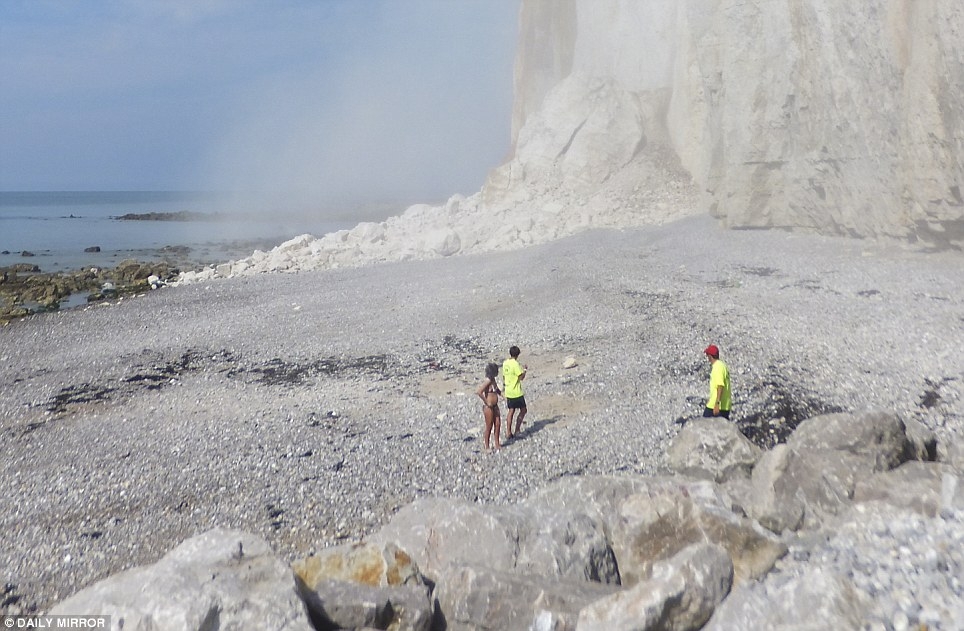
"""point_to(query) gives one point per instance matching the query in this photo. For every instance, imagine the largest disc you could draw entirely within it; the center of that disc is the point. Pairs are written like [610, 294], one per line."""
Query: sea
[63, 231]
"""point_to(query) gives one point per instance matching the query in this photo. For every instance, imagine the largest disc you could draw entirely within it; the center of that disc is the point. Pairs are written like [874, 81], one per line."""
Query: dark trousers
[708, 412]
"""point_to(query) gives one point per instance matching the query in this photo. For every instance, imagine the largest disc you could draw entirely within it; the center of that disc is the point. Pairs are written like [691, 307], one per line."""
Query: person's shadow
[530, 429]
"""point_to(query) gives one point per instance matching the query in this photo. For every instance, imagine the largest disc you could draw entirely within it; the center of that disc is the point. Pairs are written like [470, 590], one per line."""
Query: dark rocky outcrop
[181, 215]
[26, 290]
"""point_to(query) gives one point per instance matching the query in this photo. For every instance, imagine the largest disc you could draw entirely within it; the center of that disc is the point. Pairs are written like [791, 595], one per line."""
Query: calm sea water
[58, 226]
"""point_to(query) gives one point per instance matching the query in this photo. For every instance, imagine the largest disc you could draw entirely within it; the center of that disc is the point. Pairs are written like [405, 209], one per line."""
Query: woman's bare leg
[498, 428]
[487, 415]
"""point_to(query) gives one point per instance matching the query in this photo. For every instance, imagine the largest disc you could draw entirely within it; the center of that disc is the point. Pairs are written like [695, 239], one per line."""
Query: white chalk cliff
[835, 117]
[843, 118]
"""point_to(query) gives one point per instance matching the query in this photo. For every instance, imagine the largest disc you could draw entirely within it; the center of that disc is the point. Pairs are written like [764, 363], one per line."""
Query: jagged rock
[567, 544]
[918, 486]
[819, 468]
[879, 436]
[824, 480]
[667, 515]
[366, 564]
[334, 605]
[681, 594]
[443, 242]
[557, 542]
[477, 597]
[820, 600]
[365, 585]
[712, 449]
[922, 441]
[769, 501]
[130, 271]
[599, 496]
[439, 532]
[954, 455]
[221, 579]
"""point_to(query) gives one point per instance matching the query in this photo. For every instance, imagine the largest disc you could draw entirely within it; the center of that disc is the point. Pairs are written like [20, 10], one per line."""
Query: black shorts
[708, 412]
[515, 403]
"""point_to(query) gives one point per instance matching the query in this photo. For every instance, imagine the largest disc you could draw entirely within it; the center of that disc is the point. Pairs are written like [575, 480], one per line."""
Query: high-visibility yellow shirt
[719, 376]
[511, 369]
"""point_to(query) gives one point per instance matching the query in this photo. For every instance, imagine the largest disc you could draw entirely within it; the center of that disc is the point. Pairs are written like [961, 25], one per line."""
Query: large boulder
[812, 479]
[820, 600]
[879, 437]
[334, 605]
[713, 449]
[952, 454]
[681, 594]
[598, 496]
[364, 585]
[805, 488]
[221, 579]
[476, 598]
[367, 564]
[925, 487]
[773, 500]
[650, 519]
[550, 541]
[667, 515]
[923, 442]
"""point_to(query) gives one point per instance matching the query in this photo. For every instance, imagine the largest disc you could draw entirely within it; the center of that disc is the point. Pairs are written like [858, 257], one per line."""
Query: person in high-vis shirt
[512, 375]
[719, 401]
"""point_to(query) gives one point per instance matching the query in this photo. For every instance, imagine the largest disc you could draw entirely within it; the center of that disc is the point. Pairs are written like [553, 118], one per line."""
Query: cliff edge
[837, 118]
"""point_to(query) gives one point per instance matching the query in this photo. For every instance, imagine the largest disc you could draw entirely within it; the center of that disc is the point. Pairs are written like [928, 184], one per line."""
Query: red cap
[712, 351]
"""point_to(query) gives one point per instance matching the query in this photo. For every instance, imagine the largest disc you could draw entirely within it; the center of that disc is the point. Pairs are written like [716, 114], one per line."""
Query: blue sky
[326, 98]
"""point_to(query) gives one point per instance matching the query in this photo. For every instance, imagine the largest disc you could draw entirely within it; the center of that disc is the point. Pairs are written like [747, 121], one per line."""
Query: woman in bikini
[489, 393]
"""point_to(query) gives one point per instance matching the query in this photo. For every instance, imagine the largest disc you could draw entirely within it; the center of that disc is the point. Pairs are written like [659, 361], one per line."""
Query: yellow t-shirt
[719, 376]
[511, 369]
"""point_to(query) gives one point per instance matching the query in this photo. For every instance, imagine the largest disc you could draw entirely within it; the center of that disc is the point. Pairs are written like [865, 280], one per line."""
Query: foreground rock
[218, 580]
[365, 586]
[594, 553]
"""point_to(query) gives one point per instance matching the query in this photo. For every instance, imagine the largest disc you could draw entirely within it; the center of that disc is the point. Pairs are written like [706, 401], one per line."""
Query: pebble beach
[309, 407]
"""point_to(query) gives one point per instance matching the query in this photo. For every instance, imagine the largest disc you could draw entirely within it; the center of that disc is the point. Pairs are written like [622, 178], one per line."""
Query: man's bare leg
[518, 424]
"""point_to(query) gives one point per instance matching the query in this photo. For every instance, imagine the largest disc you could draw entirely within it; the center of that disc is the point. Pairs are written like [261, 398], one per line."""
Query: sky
[340, 99]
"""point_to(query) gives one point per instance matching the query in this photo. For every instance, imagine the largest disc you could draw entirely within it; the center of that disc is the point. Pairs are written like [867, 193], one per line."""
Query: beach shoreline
[307, 408]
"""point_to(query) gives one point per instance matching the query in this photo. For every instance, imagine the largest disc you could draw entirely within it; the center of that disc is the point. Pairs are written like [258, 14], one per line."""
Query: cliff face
[834, 117]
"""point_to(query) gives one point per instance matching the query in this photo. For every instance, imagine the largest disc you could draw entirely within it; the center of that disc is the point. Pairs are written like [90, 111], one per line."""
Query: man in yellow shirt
[512, 375]
[719, 401]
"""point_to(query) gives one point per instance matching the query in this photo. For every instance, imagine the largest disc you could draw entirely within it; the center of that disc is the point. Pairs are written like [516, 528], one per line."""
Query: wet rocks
[26, 290]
